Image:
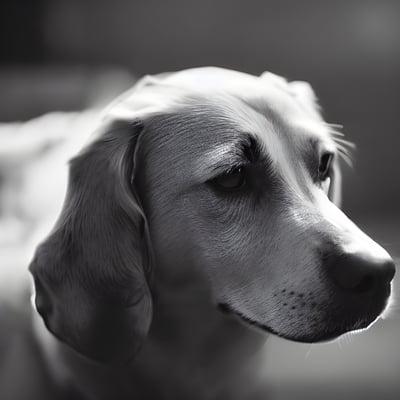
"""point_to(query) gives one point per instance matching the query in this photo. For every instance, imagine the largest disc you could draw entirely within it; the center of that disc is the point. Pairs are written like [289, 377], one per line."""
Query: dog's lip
[227, 309]
[325, 336]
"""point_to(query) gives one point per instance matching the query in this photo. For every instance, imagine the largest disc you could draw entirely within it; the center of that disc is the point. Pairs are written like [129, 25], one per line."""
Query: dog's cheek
[233, 252]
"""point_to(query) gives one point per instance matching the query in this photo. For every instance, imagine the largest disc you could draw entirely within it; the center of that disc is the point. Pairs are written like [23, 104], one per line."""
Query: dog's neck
[192, 351]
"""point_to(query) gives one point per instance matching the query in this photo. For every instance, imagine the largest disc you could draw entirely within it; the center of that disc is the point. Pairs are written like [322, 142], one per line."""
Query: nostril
[366, 284]
[357, 273]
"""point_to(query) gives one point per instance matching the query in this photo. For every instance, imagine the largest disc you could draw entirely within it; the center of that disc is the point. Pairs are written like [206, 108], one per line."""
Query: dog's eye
[324, 167]
[231, 180]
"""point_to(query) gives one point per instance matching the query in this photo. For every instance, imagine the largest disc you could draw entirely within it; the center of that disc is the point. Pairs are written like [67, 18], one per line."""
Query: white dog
[201, 217]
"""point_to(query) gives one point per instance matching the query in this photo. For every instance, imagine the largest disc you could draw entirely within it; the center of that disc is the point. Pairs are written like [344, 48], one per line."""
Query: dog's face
[237, 178]
[247, 172]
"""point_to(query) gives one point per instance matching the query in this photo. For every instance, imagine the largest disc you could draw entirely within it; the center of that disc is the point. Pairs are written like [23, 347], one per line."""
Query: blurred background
[70, 55]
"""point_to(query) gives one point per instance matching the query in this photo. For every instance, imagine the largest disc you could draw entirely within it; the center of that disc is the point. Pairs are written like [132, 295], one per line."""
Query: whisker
[336, 133]
[333, 125]
[343, 149]
[345, 142]
[308, 352]
[346, 158]
[343, 146]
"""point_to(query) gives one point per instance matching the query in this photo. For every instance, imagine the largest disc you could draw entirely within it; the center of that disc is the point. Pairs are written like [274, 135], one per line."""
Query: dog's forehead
[168, 91]
[221, 126]
[238, 103]
[212, 78]
[225, 104]
[270, 89]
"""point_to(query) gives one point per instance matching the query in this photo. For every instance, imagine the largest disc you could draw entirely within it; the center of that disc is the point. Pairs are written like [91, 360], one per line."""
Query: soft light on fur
[149, 248]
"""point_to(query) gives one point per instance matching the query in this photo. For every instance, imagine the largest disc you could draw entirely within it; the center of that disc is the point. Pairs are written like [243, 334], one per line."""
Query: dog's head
[218, 174]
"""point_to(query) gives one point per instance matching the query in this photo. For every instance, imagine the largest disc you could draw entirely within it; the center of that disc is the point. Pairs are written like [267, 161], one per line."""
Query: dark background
[348, 49]
[54, 52]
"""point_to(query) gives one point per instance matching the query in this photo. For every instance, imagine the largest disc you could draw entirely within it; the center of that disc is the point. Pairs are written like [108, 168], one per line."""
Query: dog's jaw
[324, 325]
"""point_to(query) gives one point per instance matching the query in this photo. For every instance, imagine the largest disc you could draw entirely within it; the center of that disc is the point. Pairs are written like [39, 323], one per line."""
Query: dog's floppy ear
[92, 273]
[305, 95]
[301, 90]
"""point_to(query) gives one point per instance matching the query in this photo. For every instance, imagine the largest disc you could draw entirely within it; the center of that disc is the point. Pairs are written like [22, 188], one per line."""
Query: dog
[202, 216]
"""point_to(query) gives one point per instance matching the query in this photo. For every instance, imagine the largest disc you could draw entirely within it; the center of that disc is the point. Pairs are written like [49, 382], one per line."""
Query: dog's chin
[324, 333]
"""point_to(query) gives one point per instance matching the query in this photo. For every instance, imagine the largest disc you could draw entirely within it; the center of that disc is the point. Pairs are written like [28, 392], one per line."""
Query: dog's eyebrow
[315, 144]
[226, 156]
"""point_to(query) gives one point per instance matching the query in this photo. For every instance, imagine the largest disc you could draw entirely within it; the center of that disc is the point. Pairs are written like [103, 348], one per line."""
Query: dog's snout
[357, 273]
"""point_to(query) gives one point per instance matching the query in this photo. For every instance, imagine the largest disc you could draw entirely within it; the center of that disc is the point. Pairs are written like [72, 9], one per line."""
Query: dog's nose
[357, 273]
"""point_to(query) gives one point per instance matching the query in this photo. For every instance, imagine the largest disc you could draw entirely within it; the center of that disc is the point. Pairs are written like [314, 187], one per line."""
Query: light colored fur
[145, 249]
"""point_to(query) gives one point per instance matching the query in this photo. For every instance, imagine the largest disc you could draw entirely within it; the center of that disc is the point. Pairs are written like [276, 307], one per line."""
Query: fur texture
[157, 237]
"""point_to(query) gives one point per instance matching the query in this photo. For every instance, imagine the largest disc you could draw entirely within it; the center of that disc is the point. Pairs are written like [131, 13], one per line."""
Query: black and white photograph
[199, 200]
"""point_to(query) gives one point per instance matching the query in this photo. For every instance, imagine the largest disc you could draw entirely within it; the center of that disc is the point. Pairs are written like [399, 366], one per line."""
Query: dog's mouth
[321, 332]
[228, 310]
